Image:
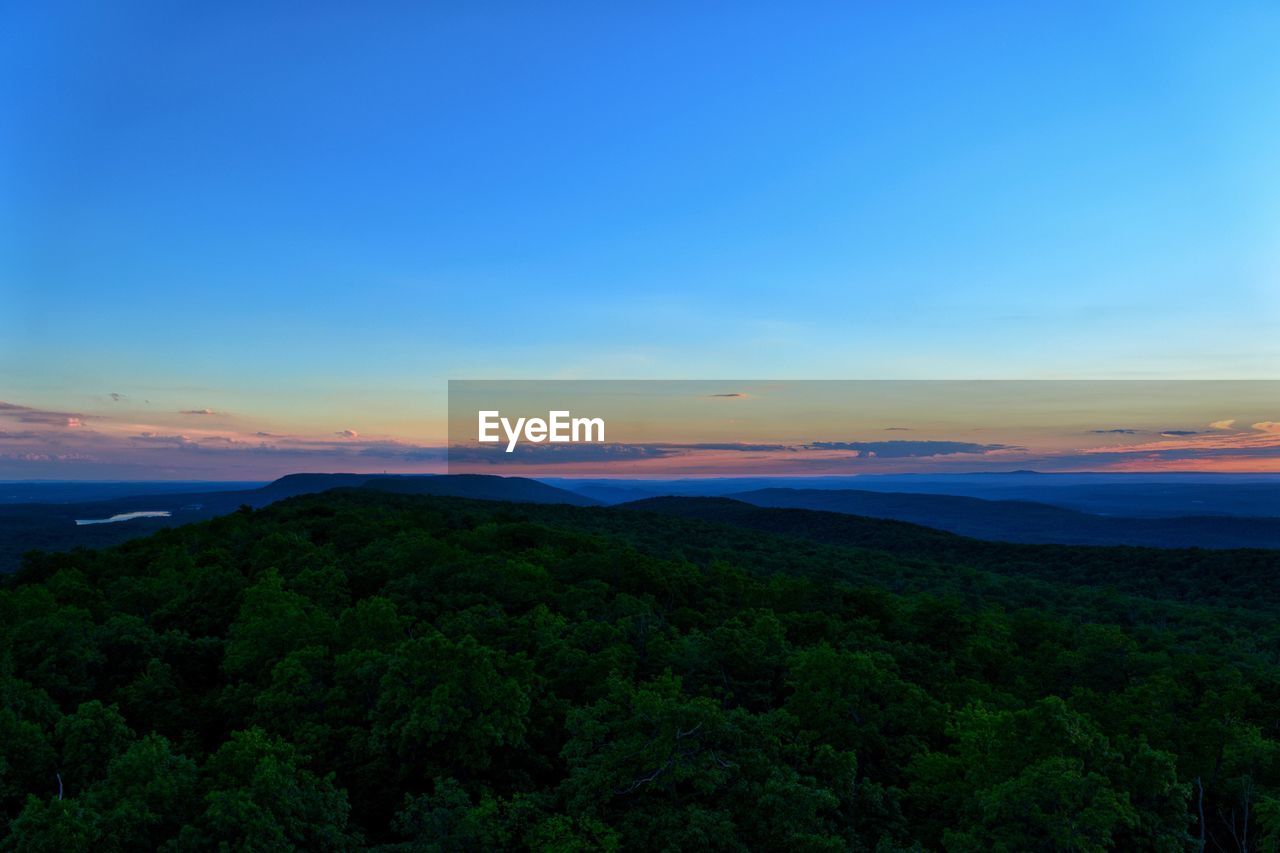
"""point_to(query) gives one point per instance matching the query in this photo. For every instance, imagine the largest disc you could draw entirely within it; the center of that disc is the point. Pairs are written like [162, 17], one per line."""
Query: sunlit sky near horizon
[240, 223]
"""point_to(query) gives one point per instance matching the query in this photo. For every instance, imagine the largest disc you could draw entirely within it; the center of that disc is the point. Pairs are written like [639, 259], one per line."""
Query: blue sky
[311, 221]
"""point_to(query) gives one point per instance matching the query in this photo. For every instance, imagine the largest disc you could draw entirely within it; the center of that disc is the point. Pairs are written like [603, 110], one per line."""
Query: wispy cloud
[899, 449]
[45, 417]
[710, 458]
[176, 440]
[20, 435]
[116, 441]
[551, 454]
[191, 445]
[1221, 448]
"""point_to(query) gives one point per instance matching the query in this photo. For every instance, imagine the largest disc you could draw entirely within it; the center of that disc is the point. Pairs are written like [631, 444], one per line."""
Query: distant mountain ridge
[869, 513]
[478, 486]
[1027, 521]
[1133, 495]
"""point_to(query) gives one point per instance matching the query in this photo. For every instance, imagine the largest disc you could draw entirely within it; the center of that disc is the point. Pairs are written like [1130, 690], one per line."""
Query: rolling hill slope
[1247, 577]
[49, 526]
[1027, 521]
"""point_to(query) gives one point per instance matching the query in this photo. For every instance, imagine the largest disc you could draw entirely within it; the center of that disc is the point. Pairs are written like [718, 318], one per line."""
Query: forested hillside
[52, 526]
[360, 669]
[1243, 577]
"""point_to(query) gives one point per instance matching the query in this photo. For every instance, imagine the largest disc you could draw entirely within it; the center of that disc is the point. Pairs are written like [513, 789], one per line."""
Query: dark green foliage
[410, 673]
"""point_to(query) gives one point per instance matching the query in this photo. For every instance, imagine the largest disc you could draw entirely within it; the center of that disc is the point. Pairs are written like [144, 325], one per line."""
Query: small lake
[125, 516]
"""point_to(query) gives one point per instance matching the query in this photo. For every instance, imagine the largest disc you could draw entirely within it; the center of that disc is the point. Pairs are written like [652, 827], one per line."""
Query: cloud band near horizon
[677, 429]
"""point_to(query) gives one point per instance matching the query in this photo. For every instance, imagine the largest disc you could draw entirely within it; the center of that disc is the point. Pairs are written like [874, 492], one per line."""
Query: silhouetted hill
[1186, 574]
[1132, 495]
[857, 531]
[305, 484]
[1027, 521]
[607, 494]
[53, 527]
[480, 487]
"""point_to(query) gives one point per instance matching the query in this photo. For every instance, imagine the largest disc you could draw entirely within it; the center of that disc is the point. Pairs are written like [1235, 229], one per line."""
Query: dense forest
[372, 670]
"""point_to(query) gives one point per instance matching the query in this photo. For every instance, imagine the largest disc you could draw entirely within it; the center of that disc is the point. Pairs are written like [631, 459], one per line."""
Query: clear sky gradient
[305, 219]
